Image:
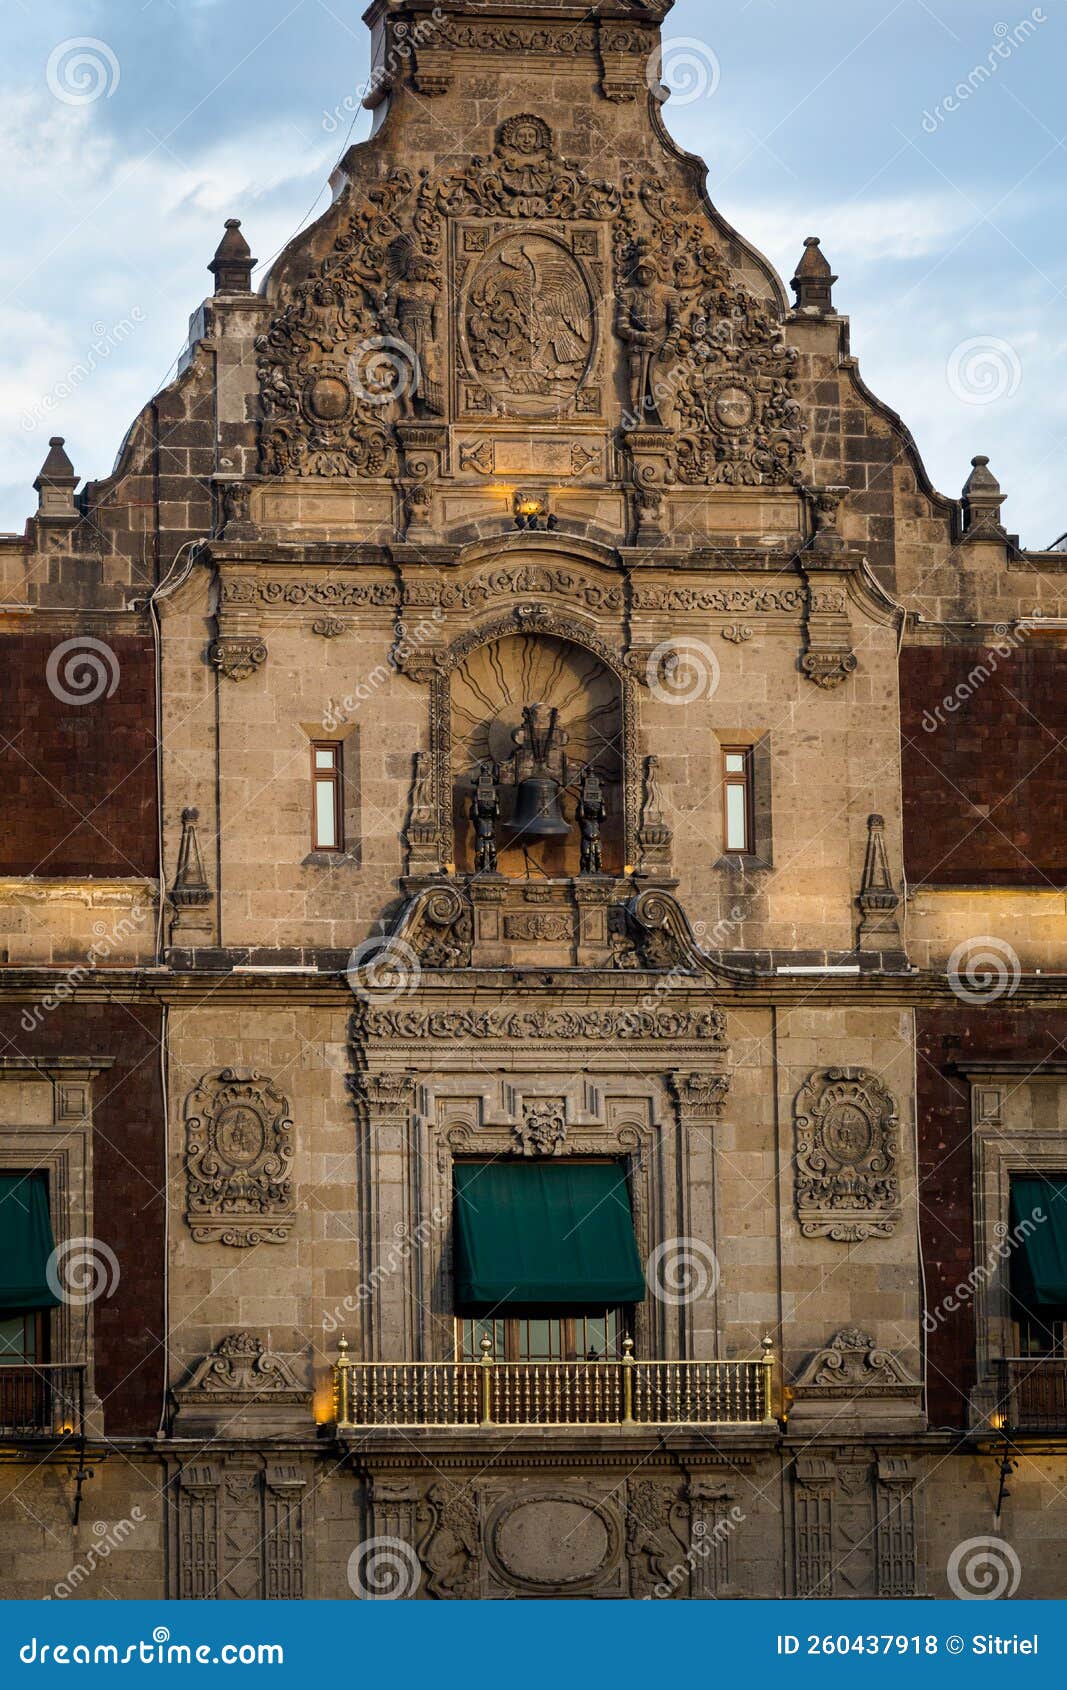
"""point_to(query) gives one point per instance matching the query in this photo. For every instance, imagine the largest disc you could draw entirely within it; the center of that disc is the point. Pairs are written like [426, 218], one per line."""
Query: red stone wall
[944, 1039]
[78, 779]
[985, 773]
[128, 1200]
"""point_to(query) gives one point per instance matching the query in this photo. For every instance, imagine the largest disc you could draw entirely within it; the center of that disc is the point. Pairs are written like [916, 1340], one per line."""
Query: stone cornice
[480, 988]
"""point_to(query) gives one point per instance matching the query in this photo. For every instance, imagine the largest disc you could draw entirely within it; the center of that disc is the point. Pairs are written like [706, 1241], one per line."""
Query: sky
[923, 140]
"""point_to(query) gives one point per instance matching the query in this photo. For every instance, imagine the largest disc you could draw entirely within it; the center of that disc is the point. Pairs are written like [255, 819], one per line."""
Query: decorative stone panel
[238, 1530]
[238, 1160]
[846, 1156]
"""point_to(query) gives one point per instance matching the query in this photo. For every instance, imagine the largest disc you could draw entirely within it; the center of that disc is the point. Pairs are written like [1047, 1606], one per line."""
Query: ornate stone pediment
[515, 288]
[853, 1384]
[846, 1154]
[240, 1368]
[238, 1161]
[853, 1362]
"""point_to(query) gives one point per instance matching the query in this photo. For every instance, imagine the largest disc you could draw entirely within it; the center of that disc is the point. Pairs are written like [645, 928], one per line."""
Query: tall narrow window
[738, 803]
[327, 818]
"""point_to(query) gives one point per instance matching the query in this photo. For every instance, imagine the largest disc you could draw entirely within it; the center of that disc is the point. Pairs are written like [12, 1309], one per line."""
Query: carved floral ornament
[846, 1156]
[238, 1161]
[484, 291]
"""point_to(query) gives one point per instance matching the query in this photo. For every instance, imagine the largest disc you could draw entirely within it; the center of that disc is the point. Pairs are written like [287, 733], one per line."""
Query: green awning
[1039, 1256]
[540, 1235]
[26, 1244]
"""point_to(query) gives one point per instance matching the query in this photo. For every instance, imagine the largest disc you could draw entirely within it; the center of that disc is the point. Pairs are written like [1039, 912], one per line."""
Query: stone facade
[521, 421]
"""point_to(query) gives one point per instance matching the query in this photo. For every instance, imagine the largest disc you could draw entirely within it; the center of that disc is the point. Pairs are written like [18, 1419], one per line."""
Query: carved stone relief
[523, 1026]
[853, 1380]
[856, 1525]
[846, 1156]
[241, 1367]
[238, 1160]
[522, 248]
[239, 1526]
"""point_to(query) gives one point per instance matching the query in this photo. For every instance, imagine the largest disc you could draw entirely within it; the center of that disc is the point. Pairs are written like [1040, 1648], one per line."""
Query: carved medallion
[846, 1184]
[238, 1156]
[528, 319]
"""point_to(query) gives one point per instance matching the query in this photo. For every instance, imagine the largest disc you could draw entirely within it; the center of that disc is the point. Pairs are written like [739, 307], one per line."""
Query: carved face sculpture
[526, 135]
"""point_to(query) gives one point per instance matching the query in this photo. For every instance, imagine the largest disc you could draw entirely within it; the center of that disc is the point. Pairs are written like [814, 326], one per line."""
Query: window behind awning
[540, 1235]
[26, 1244]
[1039, 1258]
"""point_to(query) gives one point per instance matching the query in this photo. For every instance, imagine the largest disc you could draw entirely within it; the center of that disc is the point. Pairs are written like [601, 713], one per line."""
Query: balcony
[488, 1393]
[1032, 1394]
[38, 1400]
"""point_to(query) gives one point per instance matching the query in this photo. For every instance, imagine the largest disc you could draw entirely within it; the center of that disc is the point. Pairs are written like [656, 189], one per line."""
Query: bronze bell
[537, 811]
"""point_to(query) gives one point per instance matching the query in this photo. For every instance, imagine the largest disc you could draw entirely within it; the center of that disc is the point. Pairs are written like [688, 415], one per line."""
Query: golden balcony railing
[562, 1393]
[1033, 1393]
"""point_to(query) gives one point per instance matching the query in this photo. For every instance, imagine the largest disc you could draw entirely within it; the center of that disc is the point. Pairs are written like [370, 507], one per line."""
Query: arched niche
[484, 680]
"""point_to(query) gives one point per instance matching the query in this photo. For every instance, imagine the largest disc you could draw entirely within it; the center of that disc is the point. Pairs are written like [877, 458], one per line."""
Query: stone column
[699, 1098]
[388, 1244]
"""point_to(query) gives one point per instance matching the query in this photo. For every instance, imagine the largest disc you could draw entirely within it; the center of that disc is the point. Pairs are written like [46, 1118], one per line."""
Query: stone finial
[233, 263]
[55, 485]
[190, 882]
[982, 499]
[879, 928]
[814, 281]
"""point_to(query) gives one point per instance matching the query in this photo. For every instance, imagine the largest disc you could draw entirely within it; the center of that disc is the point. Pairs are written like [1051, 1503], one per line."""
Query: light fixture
[530, 512]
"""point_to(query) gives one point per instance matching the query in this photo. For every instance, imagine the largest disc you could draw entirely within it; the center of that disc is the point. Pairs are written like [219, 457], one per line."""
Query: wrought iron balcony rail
[1033, 1393]
[42, 1399]
[561, 1393]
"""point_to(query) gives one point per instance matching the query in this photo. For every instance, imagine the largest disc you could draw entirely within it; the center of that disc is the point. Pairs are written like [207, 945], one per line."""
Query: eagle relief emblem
[529, 325]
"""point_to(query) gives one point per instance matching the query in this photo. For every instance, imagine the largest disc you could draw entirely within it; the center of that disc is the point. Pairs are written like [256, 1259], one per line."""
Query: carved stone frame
[63, 1150]
[471, 1131]
[238, 1199]
[527, 619]
[999, 1152]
